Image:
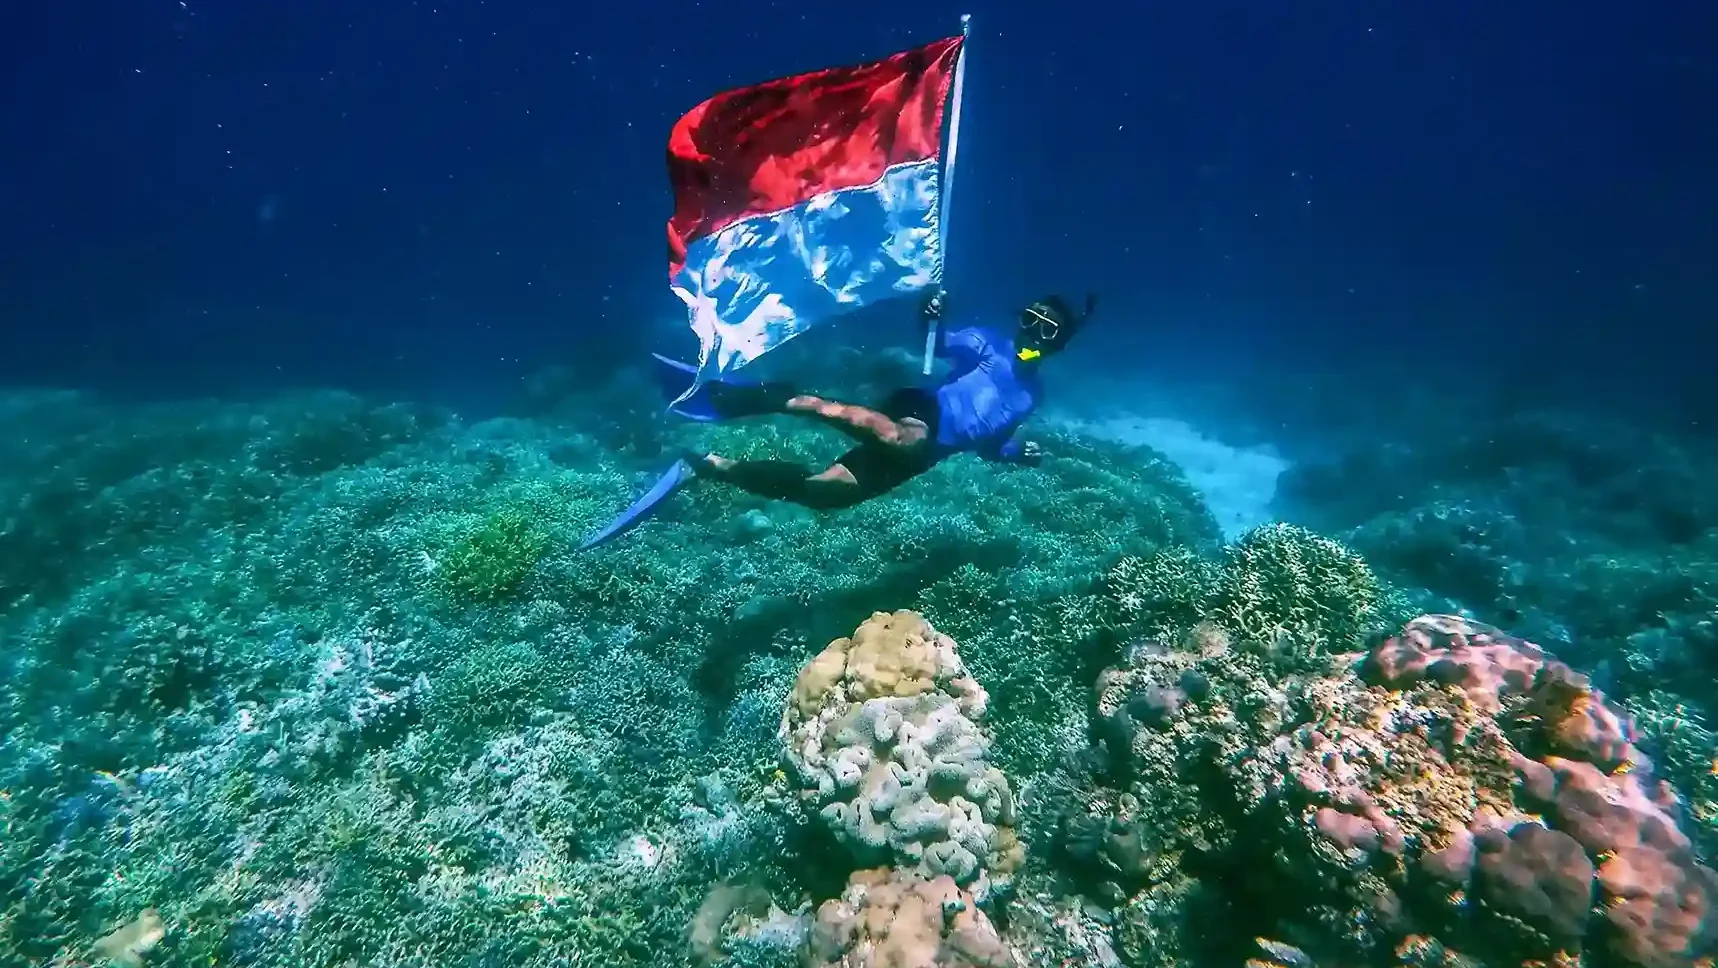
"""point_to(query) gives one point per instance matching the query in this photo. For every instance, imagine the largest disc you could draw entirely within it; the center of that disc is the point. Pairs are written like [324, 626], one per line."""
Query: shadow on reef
[756, 624]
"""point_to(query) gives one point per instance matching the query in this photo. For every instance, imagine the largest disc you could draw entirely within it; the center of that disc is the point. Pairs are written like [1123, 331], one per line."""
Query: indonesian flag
[805, 197]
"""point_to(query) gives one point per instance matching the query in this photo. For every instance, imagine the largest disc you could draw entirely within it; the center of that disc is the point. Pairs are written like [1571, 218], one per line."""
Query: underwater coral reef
[323, 681]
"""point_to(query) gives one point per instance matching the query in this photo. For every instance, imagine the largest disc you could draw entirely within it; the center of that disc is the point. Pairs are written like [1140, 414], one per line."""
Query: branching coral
[1278, 584]
[493, 558]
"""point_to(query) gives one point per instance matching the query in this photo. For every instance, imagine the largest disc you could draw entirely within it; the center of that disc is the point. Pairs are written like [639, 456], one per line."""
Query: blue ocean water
[324, 333]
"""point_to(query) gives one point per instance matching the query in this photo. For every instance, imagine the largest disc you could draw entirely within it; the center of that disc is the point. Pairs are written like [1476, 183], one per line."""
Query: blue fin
[642, 508]
[674, 377]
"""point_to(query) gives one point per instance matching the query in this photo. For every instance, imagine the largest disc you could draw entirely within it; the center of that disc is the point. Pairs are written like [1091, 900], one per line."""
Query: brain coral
[882, 732]
[1456, 796]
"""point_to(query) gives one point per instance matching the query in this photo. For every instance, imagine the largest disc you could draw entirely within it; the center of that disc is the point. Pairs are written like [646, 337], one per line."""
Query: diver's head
[1047, 325]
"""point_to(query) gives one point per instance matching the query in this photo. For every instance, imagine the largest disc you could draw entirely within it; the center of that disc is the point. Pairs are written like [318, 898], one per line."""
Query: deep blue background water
[438, 197]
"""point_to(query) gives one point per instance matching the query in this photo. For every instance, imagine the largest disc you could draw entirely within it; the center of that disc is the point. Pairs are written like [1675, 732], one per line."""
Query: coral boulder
[897, 919]
[1453, 795]
[883, 734]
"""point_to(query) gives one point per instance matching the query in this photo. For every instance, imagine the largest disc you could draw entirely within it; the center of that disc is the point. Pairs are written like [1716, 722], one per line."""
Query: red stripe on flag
[768, 147]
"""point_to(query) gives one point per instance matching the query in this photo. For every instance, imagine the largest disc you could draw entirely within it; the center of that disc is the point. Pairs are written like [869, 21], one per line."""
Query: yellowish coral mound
[895, 919]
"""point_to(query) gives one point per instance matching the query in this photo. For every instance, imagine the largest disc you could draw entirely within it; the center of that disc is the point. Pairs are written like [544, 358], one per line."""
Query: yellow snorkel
[1043, 325]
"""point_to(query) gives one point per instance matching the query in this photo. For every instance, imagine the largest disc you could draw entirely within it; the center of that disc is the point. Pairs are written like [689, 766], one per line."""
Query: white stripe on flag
[762, 281]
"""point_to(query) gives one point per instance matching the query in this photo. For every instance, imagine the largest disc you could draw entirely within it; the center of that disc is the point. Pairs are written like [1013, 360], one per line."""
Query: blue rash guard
[986, 396]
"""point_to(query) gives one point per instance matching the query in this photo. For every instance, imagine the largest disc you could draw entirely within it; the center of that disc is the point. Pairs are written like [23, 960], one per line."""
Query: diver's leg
[723, 400]
[779, 480]
[867, 425]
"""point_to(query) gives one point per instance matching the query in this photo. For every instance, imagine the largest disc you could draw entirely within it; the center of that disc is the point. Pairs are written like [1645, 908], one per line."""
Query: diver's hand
[932, 308]
[1030, 453]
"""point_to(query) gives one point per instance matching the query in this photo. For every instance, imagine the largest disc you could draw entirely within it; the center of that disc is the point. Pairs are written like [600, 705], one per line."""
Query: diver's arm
[963, 348]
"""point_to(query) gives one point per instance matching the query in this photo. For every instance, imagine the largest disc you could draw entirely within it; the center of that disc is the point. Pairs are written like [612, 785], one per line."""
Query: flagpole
[947, 188]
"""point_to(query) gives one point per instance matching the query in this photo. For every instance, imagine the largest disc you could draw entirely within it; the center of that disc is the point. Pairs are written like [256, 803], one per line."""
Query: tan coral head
[128, 945]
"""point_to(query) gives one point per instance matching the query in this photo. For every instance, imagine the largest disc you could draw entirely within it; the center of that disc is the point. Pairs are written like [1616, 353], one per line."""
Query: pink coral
[1347, 814]
[1481, 661]
[1540, 875]
[1610, 828]
[1458, 786]
[1661, 910]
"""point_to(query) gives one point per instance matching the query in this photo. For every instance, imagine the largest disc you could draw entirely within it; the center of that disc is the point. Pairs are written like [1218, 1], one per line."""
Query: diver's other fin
[724, 398]
[675, 377]
[645, 506]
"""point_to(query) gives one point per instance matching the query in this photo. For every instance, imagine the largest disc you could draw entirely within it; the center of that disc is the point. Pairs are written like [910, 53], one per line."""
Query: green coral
[495, 686]
[1593, 535]
[1283, 581]
[1279, 585]
[1685, 751]
[491, 561]
[1164, 593]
